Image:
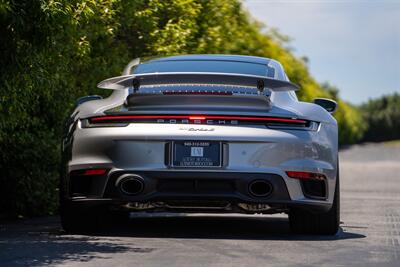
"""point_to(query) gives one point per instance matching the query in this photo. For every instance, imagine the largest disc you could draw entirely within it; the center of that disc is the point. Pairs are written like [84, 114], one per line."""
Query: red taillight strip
[305, 175]
[197, 117]
[201, 118]
[197, 93]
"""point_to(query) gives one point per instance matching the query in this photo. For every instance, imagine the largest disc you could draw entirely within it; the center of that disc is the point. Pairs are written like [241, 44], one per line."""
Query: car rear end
[200, 150]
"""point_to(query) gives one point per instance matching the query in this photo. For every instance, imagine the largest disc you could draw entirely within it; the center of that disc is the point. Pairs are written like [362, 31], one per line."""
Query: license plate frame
[209, 148]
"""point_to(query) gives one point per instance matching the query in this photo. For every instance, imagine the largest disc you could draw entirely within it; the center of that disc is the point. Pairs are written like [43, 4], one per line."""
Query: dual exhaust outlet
[130, 184]
[133, 184]
[260, 188]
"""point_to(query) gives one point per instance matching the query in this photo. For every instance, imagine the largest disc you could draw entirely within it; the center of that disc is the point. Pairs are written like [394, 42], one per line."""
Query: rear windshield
[205, 66]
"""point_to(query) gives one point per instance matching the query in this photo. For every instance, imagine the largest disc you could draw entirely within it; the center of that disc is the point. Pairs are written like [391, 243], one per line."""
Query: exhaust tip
[260, 188]
[130, 184]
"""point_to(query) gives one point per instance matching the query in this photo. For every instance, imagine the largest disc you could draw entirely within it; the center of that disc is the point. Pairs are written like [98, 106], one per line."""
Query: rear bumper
[171, 185]
[181, 191]
[248, 154]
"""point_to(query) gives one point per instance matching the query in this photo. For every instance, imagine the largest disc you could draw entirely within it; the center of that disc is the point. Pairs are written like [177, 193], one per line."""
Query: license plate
[196, 154]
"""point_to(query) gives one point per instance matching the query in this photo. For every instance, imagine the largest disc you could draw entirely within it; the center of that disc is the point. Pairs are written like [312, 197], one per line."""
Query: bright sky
[353, 44]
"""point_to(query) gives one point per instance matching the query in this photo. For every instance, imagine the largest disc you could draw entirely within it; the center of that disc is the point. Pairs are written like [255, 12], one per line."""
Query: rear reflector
[94, 172]
[305, 175]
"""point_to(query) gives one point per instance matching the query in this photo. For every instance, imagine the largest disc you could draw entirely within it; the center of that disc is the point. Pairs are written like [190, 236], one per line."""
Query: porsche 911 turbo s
[201, 133]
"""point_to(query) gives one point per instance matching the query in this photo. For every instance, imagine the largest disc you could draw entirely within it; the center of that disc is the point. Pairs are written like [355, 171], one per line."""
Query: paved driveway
[369, 236]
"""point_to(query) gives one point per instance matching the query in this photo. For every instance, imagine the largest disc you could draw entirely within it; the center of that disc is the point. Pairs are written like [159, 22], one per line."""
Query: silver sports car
[201, 133]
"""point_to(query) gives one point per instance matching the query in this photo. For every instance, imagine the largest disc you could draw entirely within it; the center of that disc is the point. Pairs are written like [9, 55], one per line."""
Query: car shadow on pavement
[38, 242]
[216, 227]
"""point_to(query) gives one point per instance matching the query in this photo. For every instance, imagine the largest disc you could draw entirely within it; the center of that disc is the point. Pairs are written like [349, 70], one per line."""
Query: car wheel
[79, 220]
[305, 222]
[88, 220]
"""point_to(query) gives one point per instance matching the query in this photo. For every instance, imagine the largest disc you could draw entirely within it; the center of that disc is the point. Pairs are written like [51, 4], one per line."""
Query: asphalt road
[369, 235]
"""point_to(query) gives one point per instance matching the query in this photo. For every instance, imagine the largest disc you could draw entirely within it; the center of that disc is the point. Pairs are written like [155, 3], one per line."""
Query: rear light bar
[305, 175]
[128, 118]
[197, 93]
[282, 123]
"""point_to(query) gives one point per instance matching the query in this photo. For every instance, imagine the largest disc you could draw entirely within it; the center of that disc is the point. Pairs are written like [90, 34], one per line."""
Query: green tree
[54, 51]
[383, 118]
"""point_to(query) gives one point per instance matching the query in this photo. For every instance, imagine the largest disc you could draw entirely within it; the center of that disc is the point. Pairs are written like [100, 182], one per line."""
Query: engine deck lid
[197, 103]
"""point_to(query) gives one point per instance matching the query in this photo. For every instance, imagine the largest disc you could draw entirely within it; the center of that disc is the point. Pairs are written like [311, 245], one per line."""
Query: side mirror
[328, 104]
[84, 99]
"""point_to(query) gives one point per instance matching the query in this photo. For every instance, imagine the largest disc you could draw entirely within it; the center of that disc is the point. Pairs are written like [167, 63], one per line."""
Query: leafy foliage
[383, 118]
[54, 51]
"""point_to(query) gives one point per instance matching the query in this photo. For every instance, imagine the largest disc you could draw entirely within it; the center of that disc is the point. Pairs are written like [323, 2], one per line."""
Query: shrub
[382, 116]
[53, 52]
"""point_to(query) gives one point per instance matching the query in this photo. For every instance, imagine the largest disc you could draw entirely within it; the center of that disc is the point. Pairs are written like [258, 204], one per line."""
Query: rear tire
[305, 222]
[79, 220]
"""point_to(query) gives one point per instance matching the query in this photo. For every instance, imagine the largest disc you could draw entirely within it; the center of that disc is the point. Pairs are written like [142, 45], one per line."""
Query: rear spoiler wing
[136, 81]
